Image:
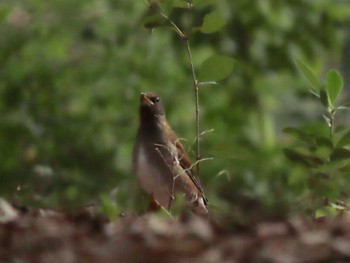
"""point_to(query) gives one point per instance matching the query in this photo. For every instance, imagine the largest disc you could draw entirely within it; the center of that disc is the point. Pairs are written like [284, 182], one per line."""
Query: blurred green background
[71, 73]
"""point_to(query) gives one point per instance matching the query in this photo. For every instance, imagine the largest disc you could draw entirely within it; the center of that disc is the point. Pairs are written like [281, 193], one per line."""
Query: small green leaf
[332, 166]
[334, 85]
[324, 148]
[296, 155]
[108, 207]
[207, 83]
[340, 11]
[299, 135]
[320, 213]
[215, 68]
[345, 140]
[326, 211]
[324, 142]
[212, 22]
[340, 129]
[340, 154]
[324, 98]
[307, 72]
[338, 206]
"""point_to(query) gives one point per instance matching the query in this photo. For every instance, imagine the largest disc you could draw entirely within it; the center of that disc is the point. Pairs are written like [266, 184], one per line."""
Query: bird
[161, 163]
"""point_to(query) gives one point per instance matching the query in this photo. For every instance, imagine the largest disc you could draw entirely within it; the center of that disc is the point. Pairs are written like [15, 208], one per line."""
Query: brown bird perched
[160, 161]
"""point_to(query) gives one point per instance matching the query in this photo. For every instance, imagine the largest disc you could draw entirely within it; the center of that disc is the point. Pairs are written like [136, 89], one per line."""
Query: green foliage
[324, 155]
[344, 140]
[109, 208]
[330, 210]
[334, 85]
[58, 86]
[71, 73]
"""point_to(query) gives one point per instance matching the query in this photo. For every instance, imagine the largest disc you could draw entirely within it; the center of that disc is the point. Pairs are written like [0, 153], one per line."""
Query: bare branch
[194, 164]
[189, 149]
[177, 29]
[205, 132]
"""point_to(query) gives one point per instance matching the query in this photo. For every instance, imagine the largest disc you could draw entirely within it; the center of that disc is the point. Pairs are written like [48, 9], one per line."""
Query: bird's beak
[145, 100]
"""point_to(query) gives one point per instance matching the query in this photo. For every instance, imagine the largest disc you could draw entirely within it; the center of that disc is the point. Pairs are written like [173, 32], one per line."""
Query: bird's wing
[185, 161]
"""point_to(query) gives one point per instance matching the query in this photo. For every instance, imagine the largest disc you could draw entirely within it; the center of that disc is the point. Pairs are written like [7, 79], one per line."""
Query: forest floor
[49, 237]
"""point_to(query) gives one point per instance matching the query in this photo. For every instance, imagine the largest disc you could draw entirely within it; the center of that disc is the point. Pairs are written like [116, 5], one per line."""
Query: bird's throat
[152, 129]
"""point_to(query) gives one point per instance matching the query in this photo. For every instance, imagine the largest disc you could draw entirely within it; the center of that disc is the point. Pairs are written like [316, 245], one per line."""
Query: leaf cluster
[325, 154]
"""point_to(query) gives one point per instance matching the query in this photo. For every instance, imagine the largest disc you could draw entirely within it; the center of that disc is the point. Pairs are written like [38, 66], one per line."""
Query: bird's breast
[150, 170]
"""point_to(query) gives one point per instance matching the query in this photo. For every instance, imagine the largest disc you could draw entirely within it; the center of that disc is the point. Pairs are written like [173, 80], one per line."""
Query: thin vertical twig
[196, 89]
[196, 94]
[185, 37]
[331, 123]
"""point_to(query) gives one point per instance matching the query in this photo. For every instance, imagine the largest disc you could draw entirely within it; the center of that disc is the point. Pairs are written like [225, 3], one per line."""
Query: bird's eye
[155, 99]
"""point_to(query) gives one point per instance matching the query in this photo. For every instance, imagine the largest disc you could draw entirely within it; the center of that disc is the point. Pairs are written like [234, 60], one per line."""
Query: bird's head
[151, 107]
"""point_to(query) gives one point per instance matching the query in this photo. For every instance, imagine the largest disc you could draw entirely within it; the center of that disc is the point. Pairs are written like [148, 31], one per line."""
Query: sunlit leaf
[215, 68]
[320, 213]
[108, 207]
[326, 211]
[307, 72]
[334, 85]
[338, 206]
